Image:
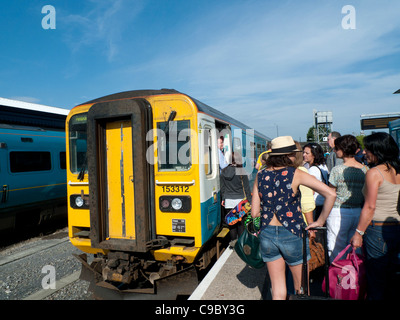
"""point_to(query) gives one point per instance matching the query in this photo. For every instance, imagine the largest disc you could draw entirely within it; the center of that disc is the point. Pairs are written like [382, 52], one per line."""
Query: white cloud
[25, 99]
[102, 25]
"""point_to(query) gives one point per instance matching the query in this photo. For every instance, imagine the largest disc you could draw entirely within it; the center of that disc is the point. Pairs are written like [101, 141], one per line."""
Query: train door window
[174, 150]
[63, 164]
[27, 161]
[237, 145]
[208, 165]
[258, 149]
[78, 142]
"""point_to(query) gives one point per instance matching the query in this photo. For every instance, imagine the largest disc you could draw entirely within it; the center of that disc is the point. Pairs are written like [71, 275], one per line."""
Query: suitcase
[303, 294]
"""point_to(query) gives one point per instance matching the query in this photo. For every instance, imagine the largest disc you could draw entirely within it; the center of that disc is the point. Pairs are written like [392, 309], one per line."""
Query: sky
[268, 63]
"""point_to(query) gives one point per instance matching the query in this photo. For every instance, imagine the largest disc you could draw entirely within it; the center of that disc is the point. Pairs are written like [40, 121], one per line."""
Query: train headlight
[176, 204]
[79, 202]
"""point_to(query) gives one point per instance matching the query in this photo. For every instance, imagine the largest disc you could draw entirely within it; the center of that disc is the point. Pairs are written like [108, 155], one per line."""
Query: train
[33, 186]
[144, 189]
[394, 130]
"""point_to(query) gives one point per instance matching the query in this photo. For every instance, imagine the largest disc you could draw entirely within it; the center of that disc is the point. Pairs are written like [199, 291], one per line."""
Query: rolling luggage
[303, 294]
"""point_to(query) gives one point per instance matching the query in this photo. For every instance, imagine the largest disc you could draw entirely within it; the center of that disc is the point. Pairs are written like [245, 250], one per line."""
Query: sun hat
[283, 145]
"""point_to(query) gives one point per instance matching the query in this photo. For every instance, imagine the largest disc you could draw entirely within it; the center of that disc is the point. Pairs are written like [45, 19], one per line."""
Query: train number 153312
[175, 188]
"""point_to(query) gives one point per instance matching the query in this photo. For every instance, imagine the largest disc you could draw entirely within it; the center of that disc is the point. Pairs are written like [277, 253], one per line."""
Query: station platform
[231, 279]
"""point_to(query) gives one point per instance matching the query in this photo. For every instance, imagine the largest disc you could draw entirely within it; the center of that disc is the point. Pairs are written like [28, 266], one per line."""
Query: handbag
[347, 277]
[247, 246]
[317, 253]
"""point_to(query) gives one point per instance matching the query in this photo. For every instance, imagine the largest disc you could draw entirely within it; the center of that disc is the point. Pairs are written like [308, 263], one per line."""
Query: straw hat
[283, 145]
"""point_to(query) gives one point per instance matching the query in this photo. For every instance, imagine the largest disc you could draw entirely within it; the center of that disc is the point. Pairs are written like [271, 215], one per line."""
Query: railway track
[28, 268]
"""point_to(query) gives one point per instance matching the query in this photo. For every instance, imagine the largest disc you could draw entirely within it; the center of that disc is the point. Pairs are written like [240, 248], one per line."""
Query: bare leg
[276, 270]
[296, 273]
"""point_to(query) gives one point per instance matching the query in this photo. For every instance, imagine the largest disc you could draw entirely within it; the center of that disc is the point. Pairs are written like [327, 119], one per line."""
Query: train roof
[32, 114]
[202, 107]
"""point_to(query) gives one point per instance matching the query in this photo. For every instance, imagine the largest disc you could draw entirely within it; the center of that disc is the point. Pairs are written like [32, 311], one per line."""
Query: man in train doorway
[222, 161]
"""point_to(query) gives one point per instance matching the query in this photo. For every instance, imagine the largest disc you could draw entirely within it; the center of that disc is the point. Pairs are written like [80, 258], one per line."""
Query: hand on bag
[356, 241]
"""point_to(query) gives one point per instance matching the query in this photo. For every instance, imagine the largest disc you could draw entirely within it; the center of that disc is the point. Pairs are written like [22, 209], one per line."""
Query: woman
[348, 180]
[313, 156]
[307, 198]
[234, 188]
[276, 193]
[379, 224]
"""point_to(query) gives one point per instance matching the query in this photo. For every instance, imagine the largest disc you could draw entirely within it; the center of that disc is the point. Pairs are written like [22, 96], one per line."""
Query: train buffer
[231, 279]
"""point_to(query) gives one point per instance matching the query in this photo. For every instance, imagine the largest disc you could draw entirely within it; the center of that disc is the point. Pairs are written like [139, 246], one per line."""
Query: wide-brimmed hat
[283, 145]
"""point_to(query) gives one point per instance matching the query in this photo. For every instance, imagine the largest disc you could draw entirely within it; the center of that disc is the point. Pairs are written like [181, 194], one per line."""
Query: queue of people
[358, 203]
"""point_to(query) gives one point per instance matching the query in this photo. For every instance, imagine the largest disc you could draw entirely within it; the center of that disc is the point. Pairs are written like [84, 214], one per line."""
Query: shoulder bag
[247, 246]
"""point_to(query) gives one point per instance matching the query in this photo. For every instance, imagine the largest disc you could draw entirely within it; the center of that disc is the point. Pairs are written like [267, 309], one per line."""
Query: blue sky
[268, 63]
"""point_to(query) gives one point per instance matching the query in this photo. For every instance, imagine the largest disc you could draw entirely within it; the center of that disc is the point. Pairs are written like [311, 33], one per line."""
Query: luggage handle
[353, 256]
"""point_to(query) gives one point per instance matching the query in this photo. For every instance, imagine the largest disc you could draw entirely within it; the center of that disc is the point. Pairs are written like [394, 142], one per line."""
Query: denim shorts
[277, 242]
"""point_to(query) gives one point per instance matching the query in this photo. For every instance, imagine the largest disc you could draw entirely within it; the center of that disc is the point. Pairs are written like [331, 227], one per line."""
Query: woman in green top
[348, 180]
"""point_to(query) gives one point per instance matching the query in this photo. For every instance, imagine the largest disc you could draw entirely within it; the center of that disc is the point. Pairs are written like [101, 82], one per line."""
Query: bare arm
[255, 200]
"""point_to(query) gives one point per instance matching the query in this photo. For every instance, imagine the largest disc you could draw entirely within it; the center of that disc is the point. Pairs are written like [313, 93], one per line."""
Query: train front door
[120, 222]
[119, 176]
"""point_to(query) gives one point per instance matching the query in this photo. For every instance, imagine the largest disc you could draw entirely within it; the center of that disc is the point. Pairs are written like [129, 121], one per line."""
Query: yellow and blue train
[143, 184]
[33, 185]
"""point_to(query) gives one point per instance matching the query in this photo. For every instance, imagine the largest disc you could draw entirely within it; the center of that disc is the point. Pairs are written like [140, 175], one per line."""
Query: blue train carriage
[146, 194]
[32, 164]
[394, 130]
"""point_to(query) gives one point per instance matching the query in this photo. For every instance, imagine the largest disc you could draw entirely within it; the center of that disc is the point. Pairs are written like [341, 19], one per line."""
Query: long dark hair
[384, 148]
[317, 152]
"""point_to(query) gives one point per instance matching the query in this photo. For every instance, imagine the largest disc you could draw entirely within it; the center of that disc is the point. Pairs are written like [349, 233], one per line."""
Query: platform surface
[231, 279]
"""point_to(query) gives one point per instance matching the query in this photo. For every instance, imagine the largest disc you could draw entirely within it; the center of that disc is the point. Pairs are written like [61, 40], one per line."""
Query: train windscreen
[78, 143]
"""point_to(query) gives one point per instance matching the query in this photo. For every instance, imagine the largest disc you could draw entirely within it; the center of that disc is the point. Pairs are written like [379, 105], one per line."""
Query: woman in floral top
[348, 180]
[276, 198]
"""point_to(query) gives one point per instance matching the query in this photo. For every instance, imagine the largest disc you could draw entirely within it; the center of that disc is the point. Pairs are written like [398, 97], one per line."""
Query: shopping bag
[347, 277]
[247, 247]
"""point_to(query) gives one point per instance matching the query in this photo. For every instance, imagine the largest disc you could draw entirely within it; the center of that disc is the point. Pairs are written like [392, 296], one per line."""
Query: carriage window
[63, 164]
[77, 143]
[27, 161]
[174, 145]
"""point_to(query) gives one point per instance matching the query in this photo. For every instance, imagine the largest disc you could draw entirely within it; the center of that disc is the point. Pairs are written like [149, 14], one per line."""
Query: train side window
[174, 149]
[27, 161]
[63, 160]
[208, 165]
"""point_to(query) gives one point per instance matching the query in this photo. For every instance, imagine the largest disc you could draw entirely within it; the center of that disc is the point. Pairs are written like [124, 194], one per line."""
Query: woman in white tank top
[378, 229]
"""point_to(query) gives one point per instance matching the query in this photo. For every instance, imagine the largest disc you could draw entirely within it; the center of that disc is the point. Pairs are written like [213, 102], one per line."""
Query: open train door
[120, 178]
